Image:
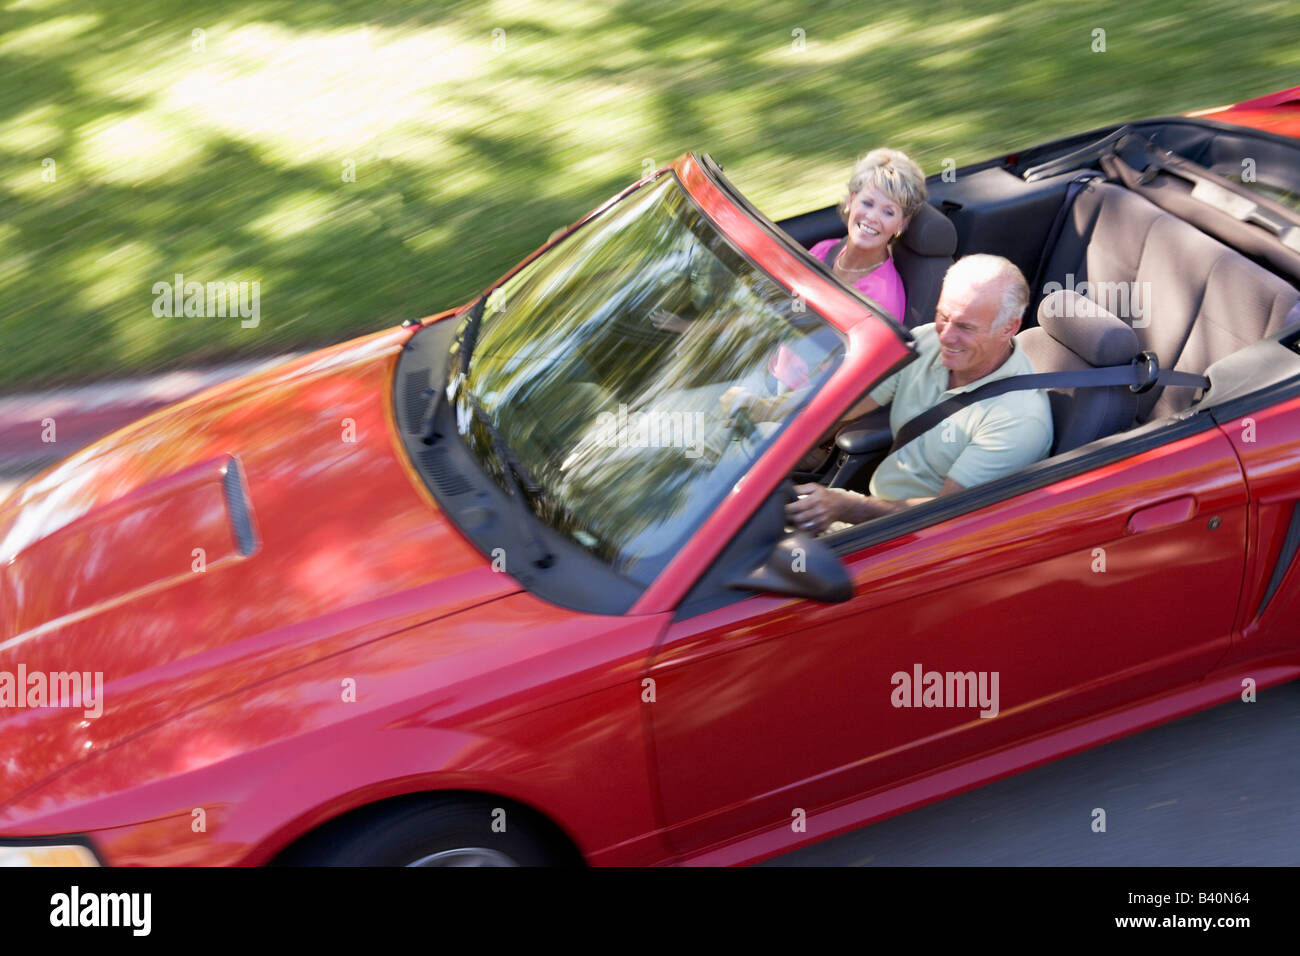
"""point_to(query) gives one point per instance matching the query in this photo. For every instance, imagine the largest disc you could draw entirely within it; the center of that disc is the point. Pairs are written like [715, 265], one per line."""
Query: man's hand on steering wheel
[821, 507]
[816, 511]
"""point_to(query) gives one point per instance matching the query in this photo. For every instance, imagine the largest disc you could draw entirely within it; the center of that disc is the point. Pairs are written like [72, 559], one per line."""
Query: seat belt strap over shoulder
[1072, 190]
[833, 252]
[1141, 375]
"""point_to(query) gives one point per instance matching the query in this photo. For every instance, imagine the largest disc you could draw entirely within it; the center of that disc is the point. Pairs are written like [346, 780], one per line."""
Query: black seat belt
[833, 252]
[1072, 190]
[1138, 377]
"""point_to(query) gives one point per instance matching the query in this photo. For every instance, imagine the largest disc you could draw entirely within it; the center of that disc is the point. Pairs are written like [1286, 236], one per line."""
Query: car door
[1068, 600]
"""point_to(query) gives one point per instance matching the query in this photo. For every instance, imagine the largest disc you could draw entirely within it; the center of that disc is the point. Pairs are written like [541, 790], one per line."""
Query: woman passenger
[885, 190]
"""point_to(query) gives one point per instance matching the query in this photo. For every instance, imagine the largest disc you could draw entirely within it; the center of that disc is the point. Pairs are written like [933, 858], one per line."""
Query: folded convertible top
[1228, 211]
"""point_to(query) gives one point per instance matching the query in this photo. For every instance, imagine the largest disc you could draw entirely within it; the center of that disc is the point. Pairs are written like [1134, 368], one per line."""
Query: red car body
[227, 662]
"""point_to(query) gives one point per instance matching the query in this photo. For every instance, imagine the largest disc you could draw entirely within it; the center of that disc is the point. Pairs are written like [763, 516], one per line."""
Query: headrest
[1086, 329]
[930, 233]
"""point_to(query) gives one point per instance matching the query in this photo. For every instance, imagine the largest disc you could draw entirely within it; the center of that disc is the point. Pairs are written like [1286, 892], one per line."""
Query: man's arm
[1003, 444]
[887, 506]
[865, 406]
[823, 506]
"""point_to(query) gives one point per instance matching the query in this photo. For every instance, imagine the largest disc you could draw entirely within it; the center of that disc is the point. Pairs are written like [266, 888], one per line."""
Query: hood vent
[415, 397]
[448, 479]
[239, 508]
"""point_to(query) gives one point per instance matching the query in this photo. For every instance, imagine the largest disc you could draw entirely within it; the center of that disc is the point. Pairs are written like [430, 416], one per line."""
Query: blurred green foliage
[476, 129]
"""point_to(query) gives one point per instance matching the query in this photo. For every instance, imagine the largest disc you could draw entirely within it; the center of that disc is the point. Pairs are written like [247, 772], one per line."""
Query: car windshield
[601, 366]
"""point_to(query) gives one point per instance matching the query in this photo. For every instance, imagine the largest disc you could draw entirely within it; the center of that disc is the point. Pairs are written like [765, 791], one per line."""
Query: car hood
[252, 529]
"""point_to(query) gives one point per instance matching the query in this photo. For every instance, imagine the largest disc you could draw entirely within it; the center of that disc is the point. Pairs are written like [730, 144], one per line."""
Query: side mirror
[800, 566]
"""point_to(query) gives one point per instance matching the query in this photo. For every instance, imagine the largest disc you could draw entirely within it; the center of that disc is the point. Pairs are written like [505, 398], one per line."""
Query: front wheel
[437, 832]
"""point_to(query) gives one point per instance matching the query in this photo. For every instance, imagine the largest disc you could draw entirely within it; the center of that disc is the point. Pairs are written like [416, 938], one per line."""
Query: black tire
[435, 831]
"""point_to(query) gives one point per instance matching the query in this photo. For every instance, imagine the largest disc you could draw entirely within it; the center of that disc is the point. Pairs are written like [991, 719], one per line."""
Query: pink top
[883, 285]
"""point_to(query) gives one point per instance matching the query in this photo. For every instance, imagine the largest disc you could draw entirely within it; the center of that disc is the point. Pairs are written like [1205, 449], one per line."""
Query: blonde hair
[892, 172]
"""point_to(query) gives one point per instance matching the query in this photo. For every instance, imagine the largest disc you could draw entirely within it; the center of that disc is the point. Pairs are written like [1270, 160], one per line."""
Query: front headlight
[46, 854]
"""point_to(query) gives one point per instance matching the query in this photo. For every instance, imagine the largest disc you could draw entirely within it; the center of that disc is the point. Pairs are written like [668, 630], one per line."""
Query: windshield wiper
[517, 478]
[468, 337]
[469, 334]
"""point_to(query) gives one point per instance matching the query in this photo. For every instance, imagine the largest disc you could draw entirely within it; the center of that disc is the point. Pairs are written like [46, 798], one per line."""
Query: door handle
[1164, 515]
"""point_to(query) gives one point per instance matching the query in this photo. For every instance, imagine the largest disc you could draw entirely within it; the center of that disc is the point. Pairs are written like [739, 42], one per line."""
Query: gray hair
[980, 268]
[894, 174]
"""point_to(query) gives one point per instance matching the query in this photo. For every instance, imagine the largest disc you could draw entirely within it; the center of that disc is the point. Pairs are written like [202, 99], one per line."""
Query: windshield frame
[613, 528]
[876, 346]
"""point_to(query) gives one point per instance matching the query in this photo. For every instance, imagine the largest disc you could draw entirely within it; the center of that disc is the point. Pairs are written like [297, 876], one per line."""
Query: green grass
[226, 163]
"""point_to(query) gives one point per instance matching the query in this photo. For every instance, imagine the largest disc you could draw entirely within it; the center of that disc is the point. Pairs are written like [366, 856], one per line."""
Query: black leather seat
[1197, 300]
[1075, 333]
[922, 255]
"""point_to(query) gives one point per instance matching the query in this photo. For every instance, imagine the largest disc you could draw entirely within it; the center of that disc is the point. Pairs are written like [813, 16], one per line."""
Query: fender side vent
[1284, 559]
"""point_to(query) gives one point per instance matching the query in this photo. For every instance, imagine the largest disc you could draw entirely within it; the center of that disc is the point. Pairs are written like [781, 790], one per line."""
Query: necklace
[839, 265]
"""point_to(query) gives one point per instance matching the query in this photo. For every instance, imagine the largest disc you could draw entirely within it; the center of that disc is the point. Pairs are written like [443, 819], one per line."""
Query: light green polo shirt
[992, 438]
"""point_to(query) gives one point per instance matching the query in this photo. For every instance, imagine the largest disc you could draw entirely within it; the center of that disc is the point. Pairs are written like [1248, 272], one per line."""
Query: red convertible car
[505, 586]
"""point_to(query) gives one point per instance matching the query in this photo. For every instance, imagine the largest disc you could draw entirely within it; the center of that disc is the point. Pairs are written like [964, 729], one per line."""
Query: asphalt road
[1218, 788]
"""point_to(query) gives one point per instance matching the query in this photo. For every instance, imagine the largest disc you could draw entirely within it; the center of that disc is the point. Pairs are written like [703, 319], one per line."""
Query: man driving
[970, 343]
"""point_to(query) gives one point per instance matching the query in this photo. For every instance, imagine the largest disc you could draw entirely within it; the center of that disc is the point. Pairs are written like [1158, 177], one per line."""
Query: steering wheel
[788, 493]
[789, 496]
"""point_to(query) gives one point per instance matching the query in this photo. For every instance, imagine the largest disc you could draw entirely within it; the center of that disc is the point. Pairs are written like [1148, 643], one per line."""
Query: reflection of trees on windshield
[641, 493]
[644, 316]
